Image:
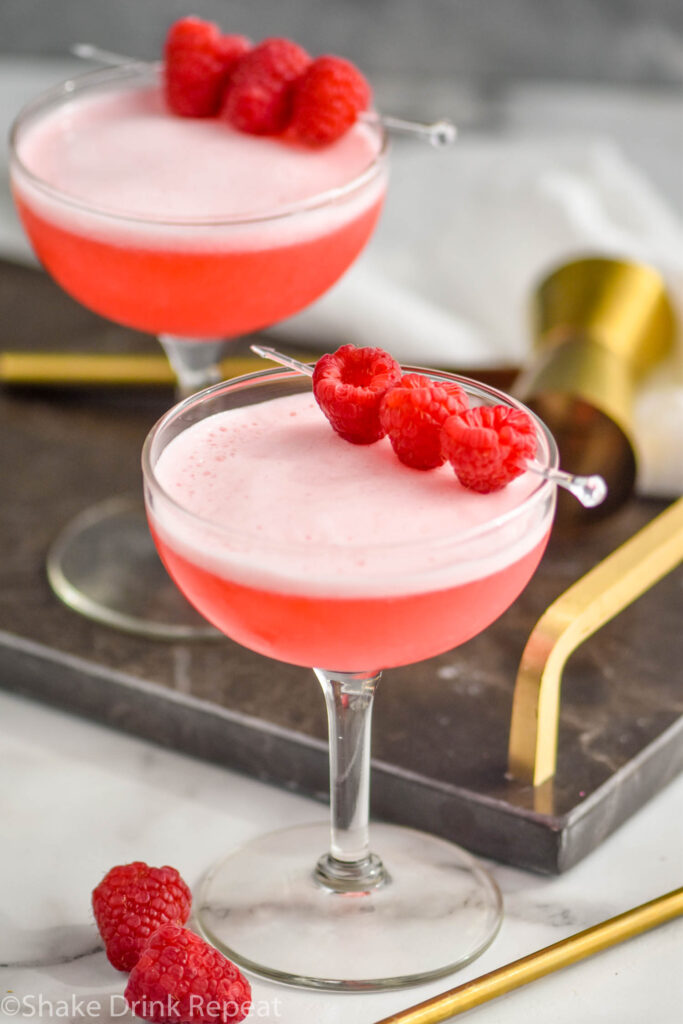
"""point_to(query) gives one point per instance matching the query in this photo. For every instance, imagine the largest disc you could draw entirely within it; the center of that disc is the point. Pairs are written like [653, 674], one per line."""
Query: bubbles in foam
[303, 507]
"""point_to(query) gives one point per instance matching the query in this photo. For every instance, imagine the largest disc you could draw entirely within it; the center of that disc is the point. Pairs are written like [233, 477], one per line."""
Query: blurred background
[620, 41]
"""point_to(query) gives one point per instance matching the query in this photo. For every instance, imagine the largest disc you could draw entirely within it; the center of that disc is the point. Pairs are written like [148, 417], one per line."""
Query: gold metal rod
[66, 369]
[543, 961]
[579, 612]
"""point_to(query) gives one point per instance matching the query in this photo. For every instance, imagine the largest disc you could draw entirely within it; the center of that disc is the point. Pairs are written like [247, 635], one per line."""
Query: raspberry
[131, 902]
[412, 414]
[180, 978]
[328, 99]
[349, 385]
[258, 99]
[488, 446]
[198, 61]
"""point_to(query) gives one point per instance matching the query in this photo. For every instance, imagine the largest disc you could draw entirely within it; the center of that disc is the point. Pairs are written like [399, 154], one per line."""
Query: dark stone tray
[440, 730]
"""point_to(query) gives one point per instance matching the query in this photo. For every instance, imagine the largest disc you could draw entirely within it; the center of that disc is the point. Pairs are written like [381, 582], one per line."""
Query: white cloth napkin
[466, 235]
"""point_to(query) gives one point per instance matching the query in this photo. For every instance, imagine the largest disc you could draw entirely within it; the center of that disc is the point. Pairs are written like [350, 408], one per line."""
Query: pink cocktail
[315, 551]
[184, 226]
[348, 559]
[386, 630]
[188, 229]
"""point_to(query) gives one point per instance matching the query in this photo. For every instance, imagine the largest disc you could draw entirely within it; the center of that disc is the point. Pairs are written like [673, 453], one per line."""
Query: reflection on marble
[77, 798]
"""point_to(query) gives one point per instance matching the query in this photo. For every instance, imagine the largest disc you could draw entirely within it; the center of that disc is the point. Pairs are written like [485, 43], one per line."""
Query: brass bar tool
[579, 612]
[544, 961]
[598, 326]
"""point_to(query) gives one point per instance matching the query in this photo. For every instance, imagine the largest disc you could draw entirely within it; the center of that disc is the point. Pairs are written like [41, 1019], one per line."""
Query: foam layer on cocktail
[118, 151]
[278, 501]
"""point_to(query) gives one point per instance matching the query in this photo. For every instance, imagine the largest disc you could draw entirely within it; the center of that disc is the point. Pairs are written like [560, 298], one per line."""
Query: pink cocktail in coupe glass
[314, 551]
[187, 229]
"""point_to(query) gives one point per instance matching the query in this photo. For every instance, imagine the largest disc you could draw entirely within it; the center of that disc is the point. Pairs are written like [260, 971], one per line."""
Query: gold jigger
[599, 325]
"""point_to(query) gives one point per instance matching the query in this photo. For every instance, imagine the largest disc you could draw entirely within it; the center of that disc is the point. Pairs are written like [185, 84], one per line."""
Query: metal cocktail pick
[589, 490]
[438, 133]
[279, 357]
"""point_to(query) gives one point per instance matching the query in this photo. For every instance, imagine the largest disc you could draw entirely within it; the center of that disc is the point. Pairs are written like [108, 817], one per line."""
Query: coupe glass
[322, 906]
[194, 282]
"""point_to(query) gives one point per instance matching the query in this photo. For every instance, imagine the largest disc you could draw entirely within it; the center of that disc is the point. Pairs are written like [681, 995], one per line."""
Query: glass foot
[104, 565]
[263, 908]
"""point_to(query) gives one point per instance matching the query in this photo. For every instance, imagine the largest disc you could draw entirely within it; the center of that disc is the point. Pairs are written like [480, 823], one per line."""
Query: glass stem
[196, 363]
[349, 866]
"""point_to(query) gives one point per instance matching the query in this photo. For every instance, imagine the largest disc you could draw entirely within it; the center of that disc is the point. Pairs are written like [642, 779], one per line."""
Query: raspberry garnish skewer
[437, 133]
[279, 357]
[589, 490]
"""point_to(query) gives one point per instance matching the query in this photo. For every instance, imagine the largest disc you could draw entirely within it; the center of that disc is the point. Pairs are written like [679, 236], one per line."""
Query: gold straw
[83, 368]
[66, 369]
[543, 961]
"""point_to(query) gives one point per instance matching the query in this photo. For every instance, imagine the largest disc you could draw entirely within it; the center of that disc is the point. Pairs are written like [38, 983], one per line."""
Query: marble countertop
[77, 798]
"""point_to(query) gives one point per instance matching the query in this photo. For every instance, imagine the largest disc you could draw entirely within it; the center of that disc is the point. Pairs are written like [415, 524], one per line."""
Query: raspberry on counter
[181, 978]
[131, 902]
